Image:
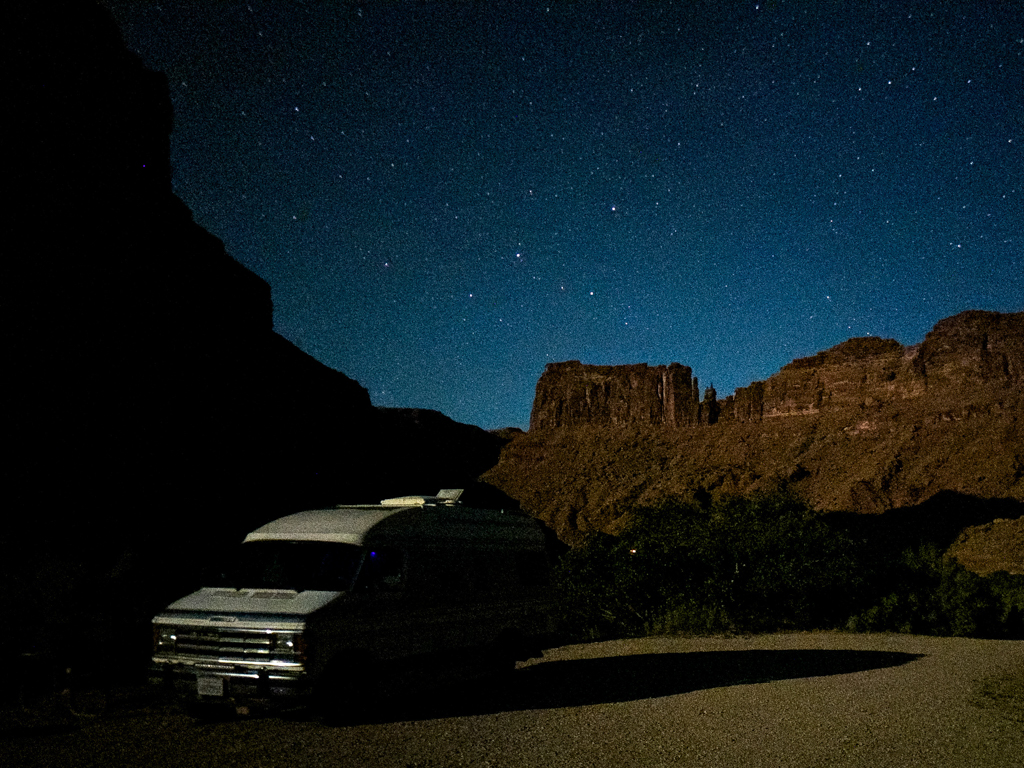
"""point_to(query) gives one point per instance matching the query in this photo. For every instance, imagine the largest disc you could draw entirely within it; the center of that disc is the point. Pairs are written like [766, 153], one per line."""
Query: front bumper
[228, 684]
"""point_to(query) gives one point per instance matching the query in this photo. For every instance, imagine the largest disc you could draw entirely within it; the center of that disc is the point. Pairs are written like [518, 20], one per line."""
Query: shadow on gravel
[626, 678]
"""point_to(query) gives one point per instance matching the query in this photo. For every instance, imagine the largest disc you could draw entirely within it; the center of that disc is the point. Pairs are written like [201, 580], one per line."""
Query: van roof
[439, 522]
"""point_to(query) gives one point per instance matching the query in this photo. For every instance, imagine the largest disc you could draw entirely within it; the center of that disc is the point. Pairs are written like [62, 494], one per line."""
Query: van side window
[383, 569]
[298, 565]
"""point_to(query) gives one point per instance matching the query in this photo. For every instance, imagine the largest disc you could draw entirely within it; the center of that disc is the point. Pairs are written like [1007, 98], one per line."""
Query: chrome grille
[232, 646]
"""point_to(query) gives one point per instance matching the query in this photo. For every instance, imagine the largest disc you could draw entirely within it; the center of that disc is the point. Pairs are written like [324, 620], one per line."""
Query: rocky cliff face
[974, 350]
[867, 426]
[572, 394]
[856, 373]
[142, 355]
[971, 351]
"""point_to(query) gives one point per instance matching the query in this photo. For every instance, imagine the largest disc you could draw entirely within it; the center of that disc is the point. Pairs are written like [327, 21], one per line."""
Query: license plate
[207, 685]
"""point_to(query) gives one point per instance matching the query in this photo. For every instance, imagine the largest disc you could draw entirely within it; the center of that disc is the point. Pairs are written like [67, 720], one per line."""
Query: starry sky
[447, 196]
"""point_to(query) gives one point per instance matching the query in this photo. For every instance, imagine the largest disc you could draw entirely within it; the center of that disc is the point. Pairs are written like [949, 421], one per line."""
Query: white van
[334, 601]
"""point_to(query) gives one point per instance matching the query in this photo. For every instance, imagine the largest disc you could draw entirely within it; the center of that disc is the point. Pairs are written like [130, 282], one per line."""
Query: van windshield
[297, 565]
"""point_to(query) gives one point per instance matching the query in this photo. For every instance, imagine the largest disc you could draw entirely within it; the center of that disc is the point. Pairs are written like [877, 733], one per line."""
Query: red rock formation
[861, 372]
[573, 394]
[866, 426]
[973, 349]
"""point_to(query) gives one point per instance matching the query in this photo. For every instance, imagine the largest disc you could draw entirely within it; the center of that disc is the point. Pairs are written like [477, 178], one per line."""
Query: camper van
[329, 603]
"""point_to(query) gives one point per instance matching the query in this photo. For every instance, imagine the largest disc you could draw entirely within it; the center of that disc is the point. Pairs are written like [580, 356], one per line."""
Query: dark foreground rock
[153, 415]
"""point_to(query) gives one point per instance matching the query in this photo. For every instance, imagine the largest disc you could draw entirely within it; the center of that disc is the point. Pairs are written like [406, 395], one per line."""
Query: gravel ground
[816, 699]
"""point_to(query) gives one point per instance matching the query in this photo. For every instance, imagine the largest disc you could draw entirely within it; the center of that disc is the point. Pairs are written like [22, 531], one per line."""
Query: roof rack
[446, 496]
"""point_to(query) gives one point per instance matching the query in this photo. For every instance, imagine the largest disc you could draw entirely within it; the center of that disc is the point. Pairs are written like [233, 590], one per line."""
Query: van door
[383, 605]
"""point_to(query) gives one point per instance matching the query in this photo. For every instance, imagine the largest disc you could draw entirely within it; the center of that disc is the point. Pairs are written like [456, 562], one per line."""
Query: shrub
[767, 562]
[736, 563]
[1008, 590]
[778, 564]
[929, 593]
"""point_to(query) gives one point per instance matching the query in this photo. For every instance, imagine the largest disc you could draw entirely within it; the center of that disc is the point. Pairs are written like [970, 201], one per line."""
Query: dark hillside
[153, 412]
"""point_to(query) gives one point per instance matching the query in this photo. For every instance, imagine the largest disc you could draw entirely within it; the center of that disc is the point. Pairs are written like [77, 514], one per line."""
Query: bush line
[764, 563]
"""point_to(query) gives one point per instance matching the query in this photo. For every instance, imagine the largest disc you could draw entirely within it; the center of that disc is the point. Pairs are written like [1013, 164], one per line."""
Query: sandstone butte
[868, 426]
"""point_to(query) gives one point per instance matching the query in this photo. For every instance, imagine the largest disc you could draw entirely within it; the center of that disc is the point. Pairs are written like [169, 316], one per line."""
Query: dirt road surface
[817, 699]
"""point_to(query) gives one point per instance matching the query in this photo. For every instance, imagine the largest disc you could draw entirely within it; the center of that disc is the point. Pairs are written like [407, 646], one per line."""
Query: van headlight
[165, 640]
[288, 647]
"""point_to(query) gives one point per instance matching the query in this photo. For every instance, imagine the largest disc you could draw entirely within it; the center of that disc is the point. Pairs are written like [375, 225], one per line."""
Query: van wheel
[348, 691]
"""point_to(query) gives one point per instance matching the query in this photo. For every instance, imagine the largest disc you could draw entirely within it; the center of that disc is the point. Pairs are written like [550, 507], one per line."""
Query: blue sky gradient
[446, 196]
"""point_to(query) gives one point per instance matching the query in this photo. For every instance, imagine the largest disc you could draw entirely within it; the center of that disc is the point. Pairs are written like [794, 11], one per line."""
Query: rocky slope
[867, 426]
[994, 546]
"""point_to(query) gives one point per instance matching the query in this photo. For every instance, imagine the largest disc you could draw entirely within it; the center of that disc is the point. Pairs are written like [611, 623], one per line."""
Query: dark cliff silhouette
[153, 413]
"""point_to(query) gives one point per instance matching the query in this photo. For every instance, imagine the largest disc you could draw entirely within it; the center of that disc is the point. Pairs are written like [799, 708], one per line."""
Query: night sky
[446, 196]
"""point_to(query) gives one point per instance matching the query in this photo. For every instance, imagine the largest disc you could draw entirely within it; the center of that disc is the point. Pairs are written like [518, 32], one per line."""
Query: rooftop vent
[448, 496]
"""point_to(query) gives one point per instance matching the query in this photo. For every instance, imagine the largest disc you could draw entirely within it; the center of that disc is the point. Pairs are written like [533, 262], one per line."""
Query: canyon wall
[959, 358]
[972, 351]
[573, 394]
[868, 426]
